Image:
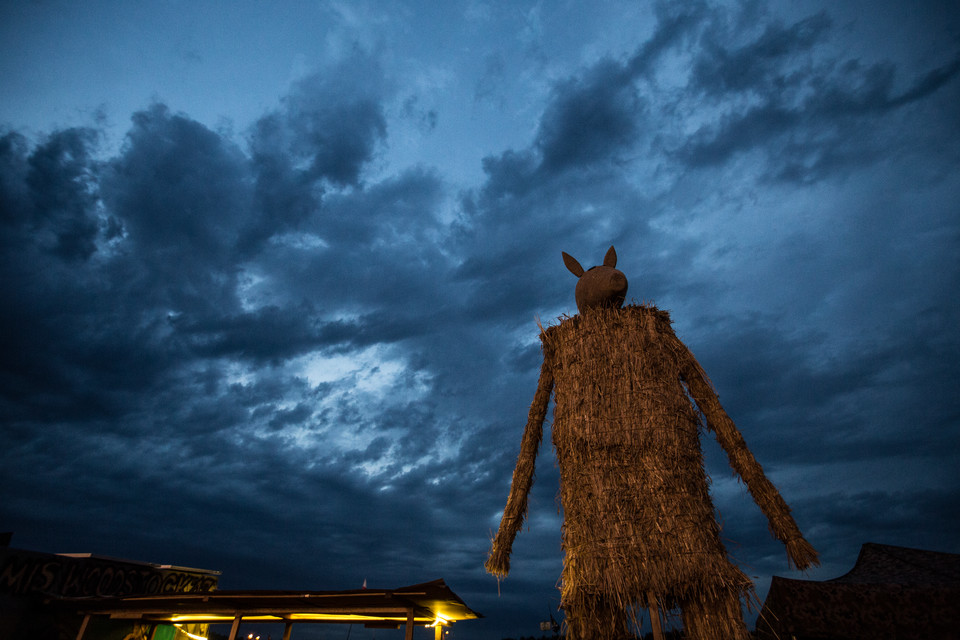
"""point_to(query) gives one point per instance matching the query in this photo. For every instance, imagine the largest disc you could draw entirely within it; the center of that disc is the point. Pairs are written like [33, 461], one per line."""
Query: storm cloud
[277, 351]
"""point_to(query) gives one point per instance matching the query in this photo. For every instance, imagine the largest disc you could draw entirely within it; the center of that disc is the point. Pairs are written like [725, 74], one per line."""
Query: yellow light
[188, 634]
[209, 617]
[441, 620]
[265, 617]
[358, 617]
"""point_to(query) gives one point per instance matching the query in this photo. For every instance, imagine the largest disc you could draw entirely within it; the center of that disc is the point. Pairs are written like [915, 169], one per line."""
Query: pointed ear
[572, 264]
[610, 260]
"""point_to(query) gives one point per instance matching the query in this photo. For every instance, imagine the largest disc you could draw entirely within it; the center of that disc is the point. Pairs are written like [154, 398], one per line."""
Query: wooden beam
[408, 634]
[83, 627]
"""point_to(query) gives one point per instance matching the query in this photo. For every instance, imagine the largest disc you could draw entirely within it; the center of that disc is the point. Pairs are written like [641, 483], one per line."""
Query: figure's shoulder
[647, 309]
[646, 315]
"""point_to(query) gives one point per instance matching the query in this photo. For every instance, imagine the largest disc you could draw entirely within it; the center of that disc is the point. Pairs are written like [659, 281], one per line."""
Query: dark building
[891, 592]
[39, 593]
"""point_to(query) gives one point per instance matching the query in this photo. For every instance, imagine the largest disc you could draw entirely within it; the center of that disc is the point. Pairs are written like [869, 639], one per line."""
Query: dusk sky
[272, 272]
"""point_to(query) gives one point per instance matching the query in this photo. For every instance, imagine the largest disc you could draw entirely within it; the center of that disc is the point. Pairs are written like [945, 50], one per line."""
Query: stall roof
[428, 603]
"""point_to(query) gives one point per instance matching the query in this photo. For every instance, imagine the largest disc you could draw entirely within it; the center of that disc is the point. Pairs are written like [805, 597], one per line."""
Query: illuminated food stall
[86, 597]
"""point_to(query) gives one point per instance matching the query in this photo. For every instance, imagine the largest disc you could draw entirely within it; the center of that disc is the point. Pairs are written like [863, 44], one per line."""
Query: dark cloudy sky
[272, 272]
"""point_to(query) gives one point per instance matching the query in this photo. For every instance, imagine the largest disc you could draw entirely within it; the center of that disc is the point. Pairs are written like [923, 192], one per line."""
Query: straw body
[638, 519]
[637, 511]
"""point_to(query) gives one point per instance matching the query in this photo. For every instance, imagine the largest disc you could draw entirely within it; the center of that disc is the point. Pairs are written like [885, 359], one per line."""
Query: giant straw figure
[639, 527]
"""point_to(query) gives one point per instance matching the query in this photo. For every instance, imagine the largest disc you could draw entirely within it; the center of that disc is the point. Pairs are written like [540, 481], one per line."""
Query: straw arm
[800, 553]
[498, 562]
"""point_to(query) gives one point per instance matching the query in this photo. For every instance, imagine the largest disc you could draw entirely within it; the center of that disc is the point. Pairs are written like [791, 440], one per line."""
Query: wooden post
[438, 632]
[234, 628]
[286, 630]
[654, 616]
[83, 627]
[408, 634]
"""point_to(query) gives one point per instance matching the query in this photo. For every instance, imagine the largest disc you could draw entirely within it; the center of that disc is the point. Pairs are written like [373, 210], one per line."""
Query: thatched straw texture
[637, 511]
[638, 519]
[516, 510]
